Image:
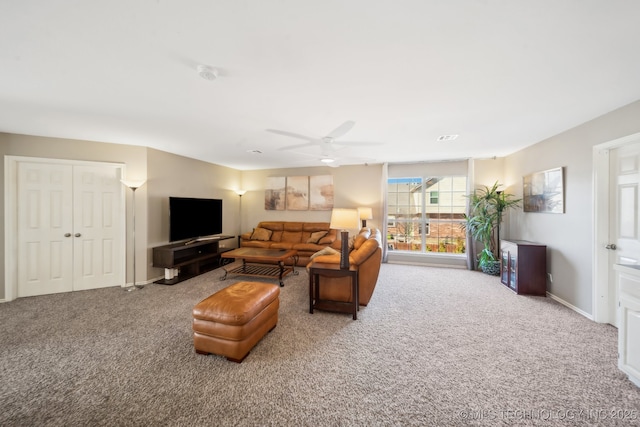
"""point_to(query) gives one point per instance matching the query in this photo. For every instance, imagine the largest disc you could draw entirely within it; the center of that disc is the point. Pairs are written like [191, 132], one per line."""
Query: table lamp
[343, 220]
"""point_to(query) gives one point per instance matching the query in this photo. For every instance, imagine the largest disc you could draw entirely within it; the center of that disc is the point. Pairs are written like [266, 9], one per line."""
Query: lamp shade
[133, 184]
[240, 192]
[344, 219]
[365, 213]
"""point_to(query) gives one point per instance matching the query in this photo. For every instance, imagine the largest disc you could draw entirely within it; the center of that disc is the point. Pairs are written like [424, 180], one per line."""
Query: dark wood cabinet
[186, 260]
[523, 267]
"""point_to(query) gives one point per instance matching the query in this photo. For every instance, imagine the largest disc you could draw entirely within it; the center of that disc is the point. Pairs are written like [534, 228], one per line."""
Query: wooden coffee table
[260, 262]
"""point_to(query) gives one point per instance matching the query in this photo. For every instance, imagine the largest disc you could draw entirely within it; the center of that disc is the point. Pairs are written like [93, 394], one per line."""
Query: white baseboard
[138, 282]
[572, 307]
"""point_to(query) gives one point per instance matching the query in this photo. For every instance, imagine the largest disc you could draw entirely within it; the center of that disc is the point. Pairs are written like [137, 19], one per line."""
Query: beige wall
[353, 186]
[569, 236]
[172, 175]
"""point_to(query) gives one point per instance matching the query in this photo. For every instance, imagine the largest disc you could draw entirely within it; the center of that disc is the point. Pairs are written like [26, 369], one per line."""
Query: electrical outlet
[550, 277]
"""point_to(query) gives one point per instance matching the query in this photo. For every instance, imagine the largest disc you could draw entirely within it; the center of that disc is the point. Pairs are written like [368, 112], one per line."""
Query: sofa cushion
[271, 225]
[281, 245]
[315, 226]
[292, 226]
[307, 248]
[292, 236]
[358, 241]
[261, 234]
[315, 237]
[257, 244]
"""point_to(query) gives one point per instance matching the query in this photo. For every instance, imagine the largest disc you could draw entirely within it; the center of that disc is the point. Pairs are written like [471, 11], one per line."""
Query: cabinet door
[513, 270]
[629, 327]
[504, 267]
[628, 342]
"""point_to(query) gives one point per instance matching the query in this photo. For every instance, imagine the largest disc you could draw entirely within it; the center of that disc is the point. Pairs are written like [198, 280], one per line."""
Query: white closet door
[45, 245]
[70, 227]
[97, 231]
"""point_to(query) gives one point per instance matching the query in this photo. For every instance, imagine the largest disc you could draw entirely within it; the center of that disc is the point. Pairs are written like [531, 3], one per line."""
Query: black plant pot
[491, 267]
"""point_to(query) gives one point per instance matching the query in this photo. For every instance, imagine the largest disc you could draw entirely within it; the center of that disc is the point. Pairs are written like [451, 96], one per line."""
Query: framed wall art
[274, 193]
[298, 193]
[544, 191]
[321, 192]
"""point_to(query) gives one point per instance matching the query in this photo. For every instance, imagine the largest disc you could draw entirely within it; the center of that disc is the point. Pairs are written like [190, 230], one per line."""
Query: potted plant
[487, 206]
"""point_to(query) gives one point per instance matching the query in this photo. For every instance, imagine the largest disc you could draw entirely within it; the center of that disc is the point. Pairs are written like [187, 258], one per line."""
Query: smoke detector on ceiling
[207, 72]
[447, 137]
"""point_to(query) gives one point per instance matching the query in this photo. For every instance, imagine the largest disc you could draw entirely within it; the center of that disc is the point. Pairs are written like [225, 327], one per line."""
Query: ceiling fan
[328, 144]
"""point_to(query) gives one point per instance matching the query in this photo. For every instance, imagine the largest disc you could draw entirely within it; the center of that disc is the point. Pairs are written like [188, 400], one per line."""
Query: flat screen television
[191, 218]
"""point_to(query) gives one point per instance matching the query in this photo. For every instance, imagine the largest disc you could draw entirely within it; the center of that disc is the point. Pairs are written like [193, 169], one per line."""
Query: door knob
[67, 234]
[78, 234]
[611, 246]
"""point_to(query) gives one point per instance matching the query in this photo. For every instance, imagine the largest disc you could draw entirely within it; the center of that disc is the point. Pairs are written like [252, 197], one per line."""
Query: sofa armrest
[329, 259]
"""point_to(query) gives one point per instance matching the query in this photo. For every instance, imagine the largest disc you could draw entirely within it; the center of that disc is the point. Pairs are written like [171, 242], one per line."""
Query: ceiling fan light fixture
[327, 160]
[207, 72]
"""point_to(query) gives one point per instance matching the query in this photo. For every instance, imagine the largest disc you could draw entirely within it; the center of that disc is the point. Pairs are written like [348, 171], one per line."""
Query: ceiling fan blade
[293, 135]
[357, 143]
[293, 147]
[341, 130]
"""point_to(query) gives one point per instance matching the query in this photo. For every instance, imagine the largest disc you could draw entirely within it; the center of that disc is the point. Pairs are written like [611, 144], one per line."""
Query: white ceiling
[502, 74]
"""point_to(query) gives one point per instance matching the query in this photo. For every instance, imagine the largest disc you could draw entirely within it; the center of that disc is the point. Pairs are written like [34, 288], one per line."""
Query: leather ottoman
[232, 321]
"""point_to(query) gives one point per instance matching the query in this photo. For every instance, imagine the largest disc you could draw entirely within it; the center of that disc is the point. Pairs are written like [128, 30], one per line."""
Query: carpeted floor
[434, 347]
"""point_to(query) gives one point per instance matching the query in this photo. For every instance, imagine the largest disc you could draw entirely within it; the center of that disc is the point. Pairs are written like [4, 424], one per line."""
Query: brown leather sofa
[306, 237]
[367, 256]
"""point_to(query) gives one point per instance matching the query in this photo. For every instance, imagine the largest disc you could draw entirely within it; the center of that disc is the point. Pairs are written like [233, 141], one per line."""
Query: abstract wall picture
[274, 193]
[298, 193]
[321, 192]
[544, 191]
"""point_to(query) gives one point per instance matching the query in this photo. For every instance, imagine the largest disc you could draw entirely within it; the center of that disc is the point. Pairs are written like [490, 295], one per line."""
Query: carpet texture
[434, 347]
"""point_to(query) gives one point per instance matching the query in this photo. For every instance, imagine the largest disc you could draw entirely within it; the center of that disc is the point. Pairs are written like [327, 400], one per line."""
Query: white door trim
[11, 221]
[600, 255]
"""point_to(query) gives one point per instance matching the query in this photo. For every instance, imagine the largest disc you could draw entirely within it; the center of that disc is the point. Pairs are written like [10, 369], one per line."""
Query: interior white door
[70, 227]
[97, 231]
[44, 227]
[624, 232]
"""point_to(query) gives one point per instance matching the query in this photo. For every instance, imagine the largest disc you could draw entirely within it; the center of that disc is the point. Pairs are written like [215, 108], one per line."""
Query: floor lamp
[344, 219]
[133, 185]
[240, 193]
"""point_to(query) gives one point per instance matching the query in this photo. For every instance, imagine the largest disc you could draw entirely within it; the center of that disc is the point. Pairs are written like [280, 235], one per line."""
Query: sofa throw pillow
[327, 240]
[315, 237]
[352, 242]
[325, 251]
[261, 234]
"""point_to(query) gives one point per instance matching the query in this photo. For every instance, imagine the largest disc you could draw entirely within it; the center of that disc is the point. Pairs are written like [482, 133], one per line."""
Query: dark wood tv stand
[189, 258]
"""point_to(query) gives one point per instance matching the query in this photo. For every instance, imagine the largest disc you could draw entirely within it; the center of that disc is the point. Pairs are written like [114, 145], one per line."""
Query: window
[426, 214]
[433, 197]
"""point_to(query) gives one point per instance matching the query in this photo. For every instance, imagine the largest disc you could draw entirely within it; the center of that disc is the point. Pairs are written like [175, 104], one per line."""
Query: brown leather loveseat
[306, 237]
[367, 256]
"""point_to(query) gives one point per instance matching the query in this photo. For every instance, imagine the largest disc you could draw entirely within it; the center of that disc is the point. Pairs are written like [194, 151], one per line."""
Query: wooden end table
[318, 269]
